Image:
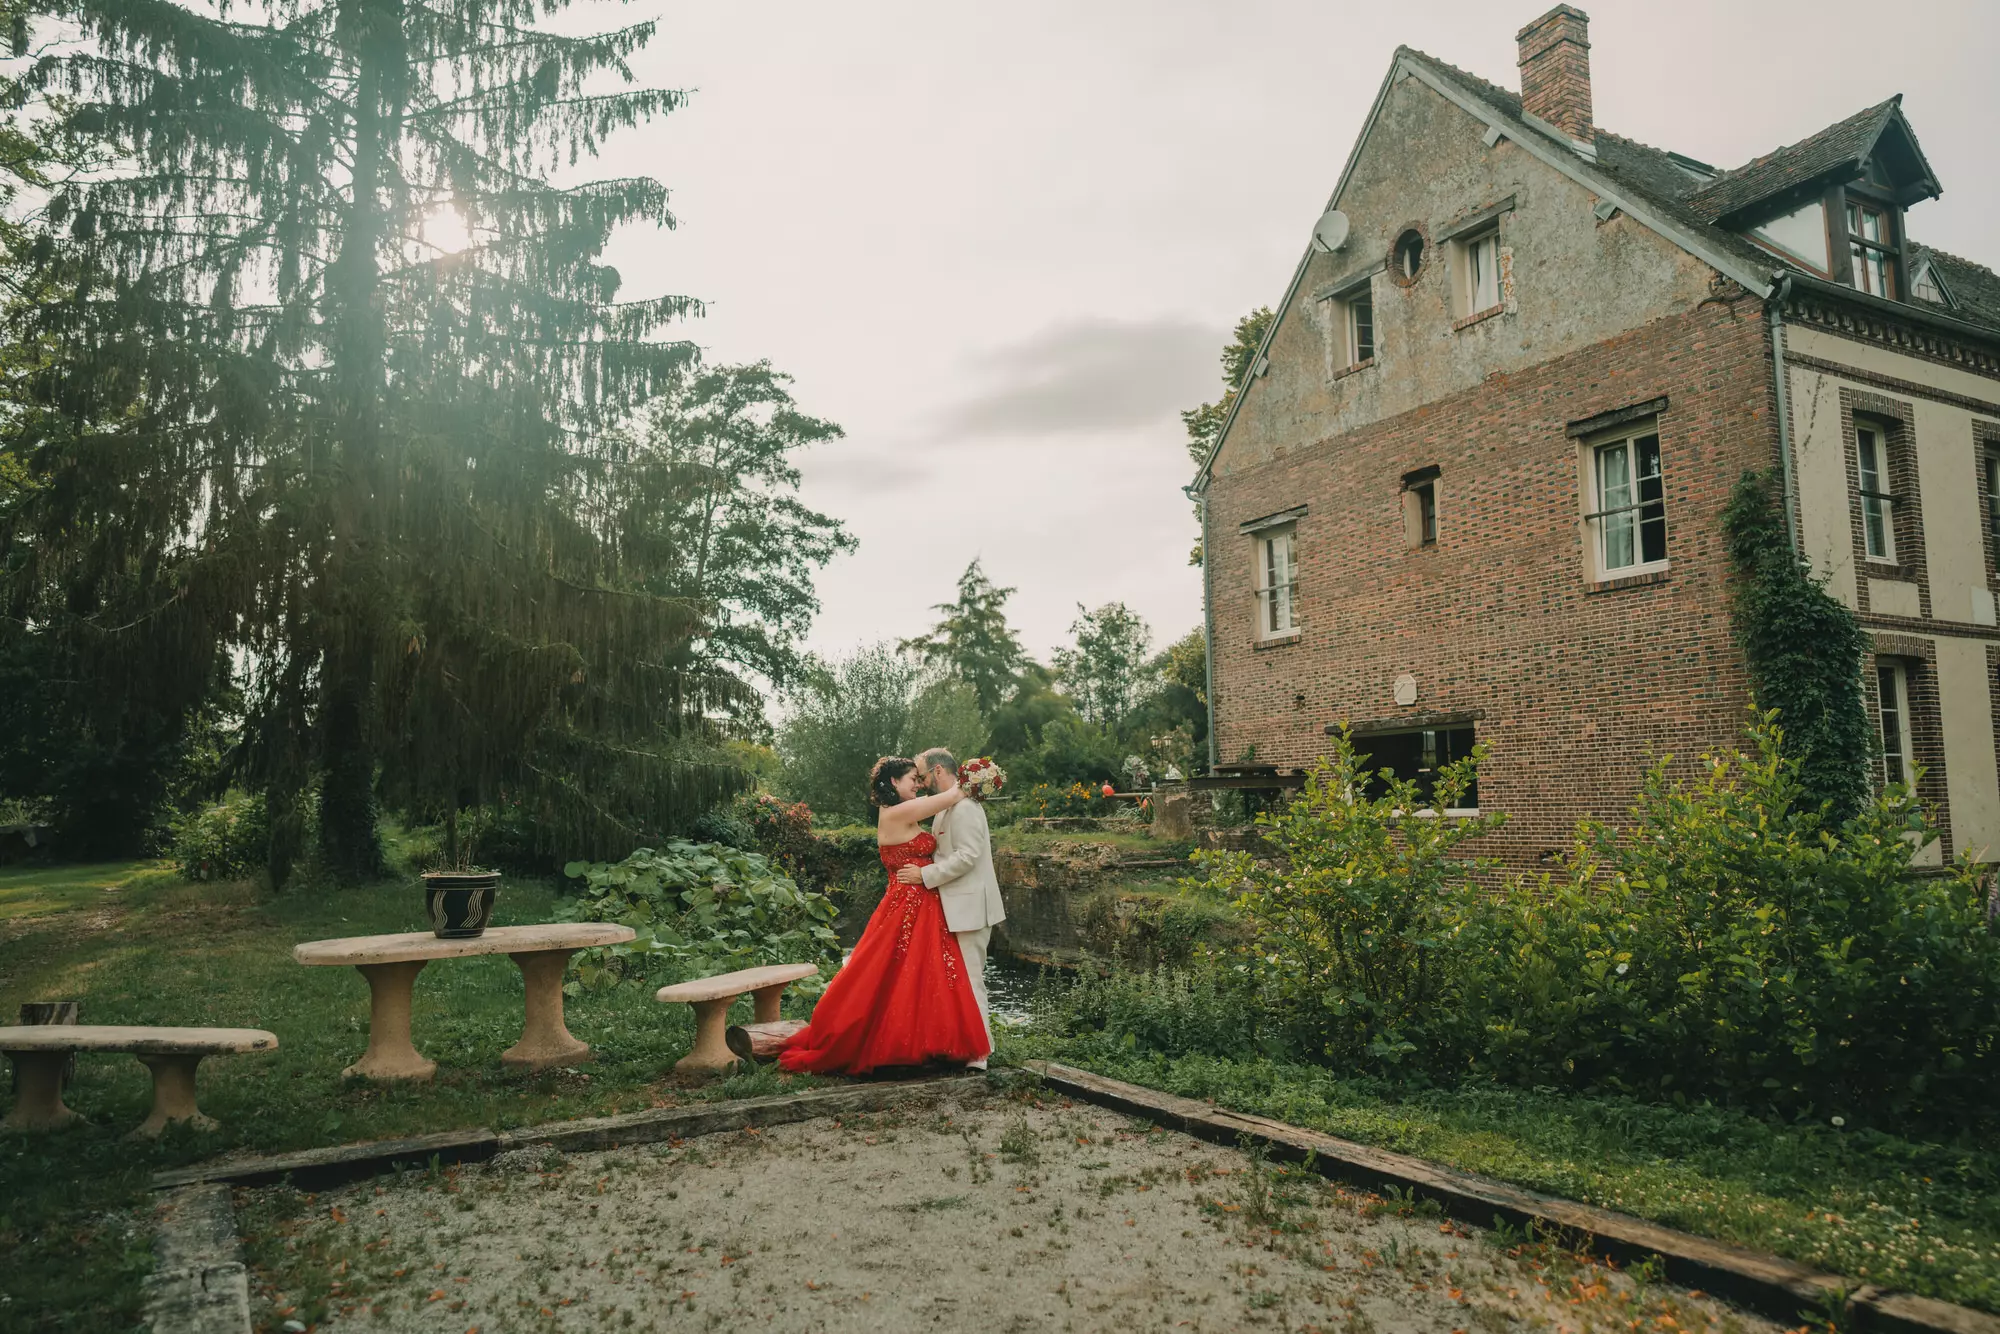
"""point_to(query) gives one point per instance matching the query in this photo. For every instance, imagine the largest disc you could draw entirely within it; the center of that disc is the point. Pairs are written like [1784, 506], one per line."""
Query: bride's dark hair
[882, 780]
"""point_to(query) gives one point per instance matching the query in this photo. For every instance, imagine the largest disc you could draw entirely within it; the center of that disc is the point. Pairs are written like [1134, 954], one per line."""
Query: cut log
[761, 1042]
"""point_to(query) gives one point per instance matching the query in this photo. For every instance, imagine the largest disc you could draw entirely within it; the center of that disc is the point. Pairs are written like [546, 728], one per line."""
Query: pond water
[1010, 986]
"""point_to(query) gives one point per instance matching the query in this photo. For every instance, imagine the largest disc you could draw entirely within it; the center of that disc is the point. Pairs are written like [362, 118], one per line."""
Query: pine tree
[973, 641]
[318, 437]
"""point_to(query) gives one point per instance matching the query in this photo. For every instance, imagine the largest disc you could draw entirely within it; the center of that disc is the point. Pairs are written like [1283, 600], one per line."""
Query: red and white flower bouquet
[981, 778]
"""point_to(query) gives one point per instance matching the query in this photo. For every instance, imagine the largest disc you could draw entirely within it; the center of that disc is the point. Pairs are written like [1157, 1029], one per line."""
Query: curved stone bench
[40, 1050]
[711, 998]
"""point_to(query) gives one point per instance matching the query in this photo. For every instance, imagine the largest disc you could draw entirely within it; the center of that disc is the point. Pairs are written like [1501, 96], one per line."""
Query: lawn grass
[73, 1226]
[1133, 842]
[39, 890]
[1921, 1217]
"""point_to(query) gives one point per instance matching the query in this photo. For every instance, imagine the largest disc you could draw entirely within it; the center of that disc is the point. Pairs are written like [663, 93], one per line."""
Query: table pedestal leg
[766, 1002]
[711, 1037]
[38, 1103]
[545, 1042]
[390, 1054]
[173, 1094]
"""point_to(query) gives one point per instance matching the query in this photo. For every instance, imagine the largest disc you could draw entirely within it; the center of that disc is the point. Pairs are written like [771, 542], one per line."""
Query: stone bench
[711, 998]
[39, 1052]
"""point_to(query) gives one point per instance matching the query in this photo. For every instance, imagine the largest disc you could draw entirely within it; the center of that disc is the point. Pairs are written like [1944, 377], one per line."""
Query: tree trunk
[349, 844]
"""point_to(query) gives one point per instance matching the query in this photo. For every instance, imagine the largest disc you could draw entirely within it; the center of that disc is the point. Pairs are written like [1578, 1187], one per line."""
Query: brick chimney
[1555, 71]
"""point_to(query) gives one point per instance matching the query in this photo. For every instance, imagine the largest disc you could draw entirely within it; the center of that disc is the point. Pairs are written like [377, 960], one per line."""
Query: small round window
[1409, 255]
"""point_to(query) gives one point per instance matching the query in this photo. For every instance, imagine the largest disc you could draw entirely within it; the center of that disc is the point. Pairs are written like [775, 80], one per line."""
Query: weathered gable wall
[1571, 281]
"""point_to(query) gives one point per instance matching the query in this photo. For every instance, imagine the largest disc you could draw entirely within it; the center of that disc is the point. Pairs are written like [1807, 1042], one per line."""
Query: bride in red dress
[902, 997]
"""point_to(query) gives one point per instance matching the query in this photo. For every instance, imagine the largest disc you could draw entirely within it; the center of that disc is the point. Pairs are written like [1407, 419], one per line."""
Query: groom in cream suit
[962, 874]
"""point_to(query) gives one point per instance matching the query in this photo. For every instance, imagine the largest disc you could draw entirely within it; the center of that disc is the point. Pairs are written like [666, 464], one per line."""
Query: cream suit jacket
[962, 872]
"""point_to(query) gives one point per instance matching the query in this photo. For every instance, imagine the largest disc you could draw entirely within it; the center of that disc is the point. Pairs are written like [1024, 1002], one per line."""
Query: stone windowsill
[1277, 641]
[1477, 316]
[1641, 580]
[1346, 371]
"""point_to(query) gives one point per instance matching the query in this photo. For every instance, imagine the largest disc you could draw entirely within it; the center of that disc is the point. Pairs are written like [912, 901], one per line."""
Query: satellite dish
[1330, 232]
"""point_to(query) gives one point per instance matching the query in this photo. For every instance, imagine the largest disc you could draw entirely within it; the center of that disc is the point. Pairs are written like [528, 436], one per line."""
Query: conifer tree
[973, 641]
[334, 368]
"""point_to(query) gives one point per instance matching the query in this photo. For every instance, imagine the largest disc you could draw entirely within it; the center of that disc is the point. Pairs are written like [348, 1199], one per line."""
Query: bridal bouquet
[981, 778]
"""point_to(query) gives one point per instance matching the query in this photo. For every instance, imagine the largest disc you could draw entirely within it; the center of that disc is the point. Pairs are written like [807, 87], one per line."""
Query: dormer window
[1925, 285]
[1871, 239]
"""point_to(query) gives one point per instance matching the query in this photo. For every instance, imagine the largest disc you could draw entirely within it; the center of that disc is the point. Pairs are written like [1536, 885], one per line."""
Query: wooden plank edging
[1770, 1284]
[316, 1169]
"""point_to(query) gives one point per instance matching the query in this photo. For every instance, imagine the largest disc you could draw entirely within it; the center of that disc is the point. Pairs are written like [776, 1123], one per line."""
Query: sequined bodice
[918, 849]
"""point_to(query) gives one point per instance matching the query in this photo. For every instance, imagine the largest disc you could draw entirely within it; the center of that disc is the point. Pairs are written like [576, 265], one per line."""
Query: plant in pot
[458, 897]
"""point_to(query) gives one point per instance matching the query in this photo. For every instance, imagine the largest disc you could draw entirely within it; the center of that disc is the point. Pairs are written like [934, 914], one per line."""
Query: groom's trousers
[972, 945]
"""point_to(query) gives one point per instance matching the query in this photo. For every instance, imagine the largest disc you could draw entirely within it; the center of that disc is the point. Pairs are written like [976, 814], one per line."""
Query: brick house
[1472, 488]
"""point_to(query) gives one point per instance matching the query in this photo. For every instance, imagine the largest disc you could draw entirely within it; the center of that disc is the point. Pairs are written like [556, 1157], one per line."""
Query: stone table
[391, 965]
[39, 1052]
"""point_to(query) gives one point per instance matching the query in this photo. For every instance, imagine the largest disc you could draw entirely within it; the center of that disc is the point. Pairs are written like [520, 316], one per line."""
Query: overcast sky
[1003, 243]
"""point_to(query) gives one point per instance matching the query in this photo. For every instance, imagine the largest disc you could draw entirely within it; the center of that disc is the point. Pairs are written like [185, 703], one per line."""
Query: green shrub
[1354, 928]
[226, 841]
[1730, 944]
[699, 909]
[1208, 1008]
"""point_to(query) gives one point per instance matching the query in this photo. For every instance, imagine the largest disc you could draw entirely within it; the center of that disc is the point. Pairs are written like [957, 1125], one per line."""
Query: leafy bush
[698, 909]
[1355, 929]
[226, 841]
[1208, 1008]
[1731, 944]
[724, 825]
[1728, 944]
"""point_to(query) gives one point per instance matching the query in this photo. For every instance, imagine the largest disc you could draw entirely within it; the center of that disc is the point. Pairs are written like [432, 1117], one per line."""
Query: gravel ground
[990, 1210]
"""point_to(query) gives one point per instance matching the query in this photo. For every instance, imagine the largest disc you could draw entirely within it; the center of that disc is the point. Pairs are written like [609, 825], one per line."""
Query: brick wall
[1574, 684]
[1554, 57]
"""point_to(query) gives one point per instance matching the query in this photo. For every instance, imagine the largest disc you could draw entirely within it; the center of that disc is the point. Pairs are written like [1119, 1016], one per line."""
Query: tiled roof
[1841, 144]
[1973, 288]
[1692, 202]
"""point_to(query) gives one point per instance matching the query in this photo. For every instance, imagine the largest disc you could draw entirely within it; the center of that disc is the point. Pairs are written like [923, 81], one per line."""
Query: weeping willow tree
[333, 360]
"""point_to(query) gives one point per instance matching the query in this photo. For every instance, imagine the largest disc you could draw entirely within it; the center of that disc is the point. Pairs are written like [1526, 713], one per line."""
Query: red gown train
[902, 997]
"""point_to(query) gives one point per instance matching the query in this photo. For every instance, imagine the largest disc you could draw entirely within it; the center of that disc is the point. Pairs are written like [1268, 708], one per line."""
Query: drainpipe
[1200, 497]
[1774, 310]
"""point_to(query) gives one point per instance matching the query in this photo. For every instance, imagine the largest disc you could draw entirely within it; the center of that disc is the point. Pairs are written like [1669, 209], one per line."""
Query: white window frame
[1277, 581]
[1478, 264]
[1892, 709]
[1876, 492]
[1342, 328]
[1989, 462]
[1610, 513]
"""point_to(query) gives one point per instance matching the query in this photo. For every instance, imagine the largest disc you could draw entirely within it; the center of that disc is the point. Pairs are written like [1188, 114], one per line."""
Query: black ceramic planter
[460, 903]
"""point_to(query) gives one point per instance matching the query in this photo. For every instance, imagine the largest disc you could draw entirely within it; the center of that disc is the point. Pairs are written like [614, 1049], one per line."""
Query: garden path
[991, 1210]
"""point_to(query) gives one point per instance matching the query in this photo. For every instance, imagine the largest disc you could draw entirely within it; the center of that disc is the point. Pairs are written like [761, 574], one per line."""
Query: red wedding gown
[902, 997]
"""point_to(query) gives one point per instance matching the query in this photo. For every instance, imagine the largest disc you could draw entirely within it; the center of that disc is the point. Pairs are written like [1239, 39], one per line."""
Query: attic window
[1409, 256]
[1926, 287]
